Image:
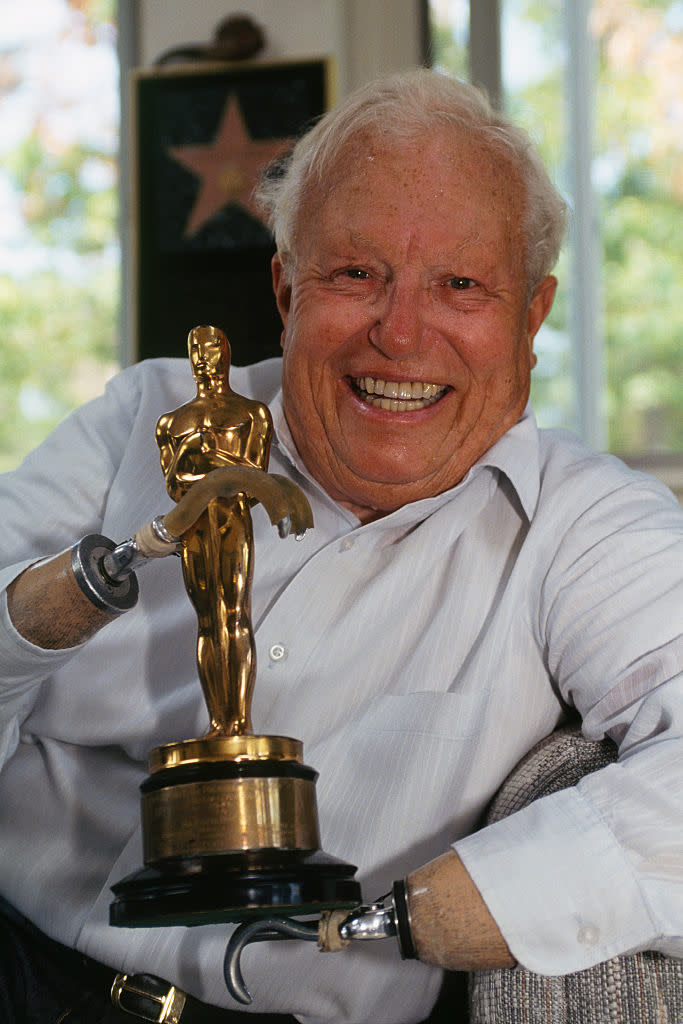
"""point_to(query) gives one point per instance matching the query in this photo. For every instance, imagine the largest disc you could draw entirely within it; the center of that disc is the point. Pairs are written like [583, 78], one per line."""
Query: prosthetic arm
[63, 601]
[435, 915]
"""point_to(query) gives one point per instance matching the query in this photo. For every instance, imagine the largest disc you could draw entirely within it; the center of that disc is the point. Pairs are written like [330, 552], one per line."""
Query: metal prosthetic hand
[335, 930]
[105, 571]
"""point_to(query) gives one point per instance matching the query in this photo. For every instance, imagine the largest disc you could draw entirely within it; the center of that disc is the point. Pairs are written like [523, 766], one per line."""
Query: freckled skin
[409, 267]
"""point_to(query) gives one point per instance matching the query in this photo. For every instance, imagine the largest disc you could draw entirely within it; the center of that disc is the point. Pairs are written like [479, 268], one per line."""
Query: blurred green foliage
[58, 310]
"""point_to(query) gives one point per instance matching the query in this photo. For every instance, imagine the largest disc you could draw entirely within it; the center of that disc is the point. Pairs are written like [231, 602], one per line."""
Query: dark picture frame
[201, 135]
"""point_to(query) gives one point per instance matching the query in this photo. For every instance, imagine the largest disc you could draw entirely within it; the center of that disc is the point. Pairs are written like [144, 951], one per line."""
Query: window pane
[534, 61]
[449, 26]
[638, 173]
[59, 254]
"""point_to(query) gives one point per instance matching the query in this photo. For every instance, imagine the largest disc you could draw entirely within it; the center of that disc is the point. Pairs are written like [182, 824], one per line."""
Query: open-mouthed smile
[397, 396]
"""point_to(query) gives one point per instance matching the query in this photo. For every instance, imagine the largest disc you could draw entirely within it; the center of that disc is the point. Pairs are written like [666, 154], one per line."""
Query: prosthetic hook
[105, 571]
[388, 917]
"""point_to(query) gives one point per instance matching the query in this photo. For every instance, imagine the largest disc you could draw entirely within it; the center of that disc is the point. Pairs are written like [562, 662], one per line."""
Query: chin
[386, 474]
[389, 487]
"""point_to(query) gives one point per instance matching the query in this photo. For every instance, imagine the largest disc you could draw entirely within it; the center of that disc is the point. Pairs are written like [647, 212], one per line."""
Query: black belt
[148, 998]
[96, 992]
[56, 982]
[144, 997]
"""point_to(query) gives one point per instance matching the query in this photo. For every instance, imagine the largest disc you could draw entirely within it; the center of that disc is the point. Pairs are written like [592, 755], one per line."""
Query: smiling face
[407, 333]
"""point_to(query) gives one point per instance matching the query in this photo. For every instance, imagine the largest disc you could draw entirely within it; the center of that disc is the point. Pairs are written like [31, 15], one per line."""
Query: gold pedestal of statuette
[239, 794]
[230, 832]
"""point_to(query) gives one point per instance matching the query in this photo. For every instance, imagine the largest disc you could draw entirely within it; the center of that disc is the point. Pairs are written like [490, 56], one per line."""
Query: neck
[366, 515]
[212, 386]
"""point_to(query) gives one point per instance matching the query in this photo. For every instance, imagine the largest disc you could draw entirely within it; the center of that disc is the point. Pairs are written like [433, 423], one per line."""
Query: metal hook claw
[284, 526]
[259, 931]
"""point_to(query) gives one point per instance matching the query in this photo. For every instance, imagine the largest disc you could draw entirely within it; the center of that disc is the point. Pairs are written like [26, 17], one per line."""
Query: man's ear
[538, 309]
[282, 287]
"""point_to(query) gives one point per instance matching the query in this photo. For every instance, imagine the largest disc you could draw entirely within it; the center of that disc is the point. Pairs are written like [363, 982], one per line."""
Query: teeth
[394, 404]
[398, 396]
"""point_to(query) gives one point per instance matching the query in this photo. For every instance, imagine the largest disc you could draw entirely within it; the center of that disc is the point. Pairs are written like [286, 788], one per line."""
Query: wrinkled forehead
[454, 135]
[441, 173]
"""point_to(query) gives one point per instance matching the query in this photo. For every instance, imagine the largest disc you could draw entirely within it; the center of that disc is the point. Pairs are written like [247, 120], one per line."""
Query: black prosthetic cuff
[402, 915]
[112, 596]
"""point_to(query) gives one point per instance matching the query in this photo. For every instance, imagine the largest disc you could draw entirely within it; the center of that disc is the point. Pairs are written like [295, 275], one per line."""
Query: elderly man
[469, 580]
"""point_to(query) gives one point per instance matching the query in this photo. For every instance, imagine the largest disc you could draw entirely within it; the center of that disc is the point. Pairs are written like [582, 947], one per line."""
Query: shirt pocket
[443, 716]
[395, 783]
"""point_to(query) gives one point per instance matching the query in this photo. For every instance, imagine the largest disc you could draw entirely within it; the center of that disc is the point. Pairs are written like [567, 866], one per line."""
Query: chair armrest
[635, 989]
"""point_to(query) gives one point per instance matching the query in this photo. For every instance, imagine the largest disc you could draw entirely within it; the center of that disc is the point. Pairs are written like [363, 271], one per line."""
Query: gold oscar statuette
[229, 819]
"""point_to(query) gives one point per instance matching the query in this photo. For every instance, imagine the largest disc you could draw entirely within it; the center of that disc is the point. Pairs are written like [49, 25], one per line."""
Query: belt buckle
[148, 998]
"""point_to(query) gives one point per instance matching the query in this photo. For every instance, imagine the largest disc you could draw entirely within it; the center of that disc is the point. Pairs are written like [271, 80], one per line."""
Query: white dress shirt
[418, 657]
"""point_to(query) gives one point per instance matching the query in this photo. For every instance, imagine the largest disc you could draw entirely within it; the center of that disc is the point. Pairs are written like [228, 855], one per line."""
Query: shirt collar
[515, 454]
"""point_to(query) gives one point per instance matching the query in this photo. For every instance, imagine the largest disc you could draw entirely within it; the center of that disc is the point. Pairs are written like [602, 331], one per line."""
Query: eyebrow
[444, 260]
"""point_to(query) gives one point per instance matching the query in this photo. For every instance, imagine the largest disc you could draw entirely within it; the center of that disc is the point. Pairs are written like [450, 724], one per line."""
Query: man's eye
[356, 273]
[461, 284]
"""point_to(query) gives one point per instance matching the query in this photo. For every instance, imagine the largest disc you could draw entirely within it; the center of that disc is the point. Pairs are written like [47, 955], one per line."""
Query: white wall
[366, 38]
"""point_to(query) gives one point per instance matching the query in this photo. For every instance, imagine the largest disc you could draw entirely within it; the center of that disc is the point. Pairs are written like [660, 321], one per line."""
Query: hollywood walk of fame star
[228, 167]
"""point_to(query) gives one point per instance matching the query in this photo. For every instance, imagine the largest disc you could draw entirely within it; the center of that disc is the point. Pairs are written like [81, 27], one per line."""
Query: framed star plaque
[202, 134]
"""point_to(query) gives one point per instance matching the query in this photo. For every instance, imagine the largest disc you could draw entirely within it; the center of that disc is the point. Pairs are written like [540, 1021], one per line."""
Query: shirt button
[277, 652]
[347, 544]
[588, 935]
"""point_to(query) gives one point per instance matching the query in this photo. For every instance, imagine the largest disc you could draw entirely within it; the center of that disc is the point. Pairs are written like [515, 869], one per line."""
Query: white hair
[403, 106]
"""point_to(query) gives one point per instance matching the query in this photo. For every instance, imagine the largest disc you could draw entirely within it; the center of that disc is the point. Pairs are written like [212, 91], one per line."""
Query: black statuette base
[234, 887]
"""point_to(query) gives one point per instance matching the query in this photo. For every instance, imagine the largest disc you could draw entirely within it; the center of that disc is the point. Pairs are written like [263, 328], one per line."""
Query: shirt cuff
[558, 885]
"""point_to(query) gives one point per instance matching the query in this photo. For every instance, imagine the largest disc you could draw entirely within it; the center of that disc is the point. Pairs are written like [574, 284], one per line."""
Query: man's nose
[399, 329]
